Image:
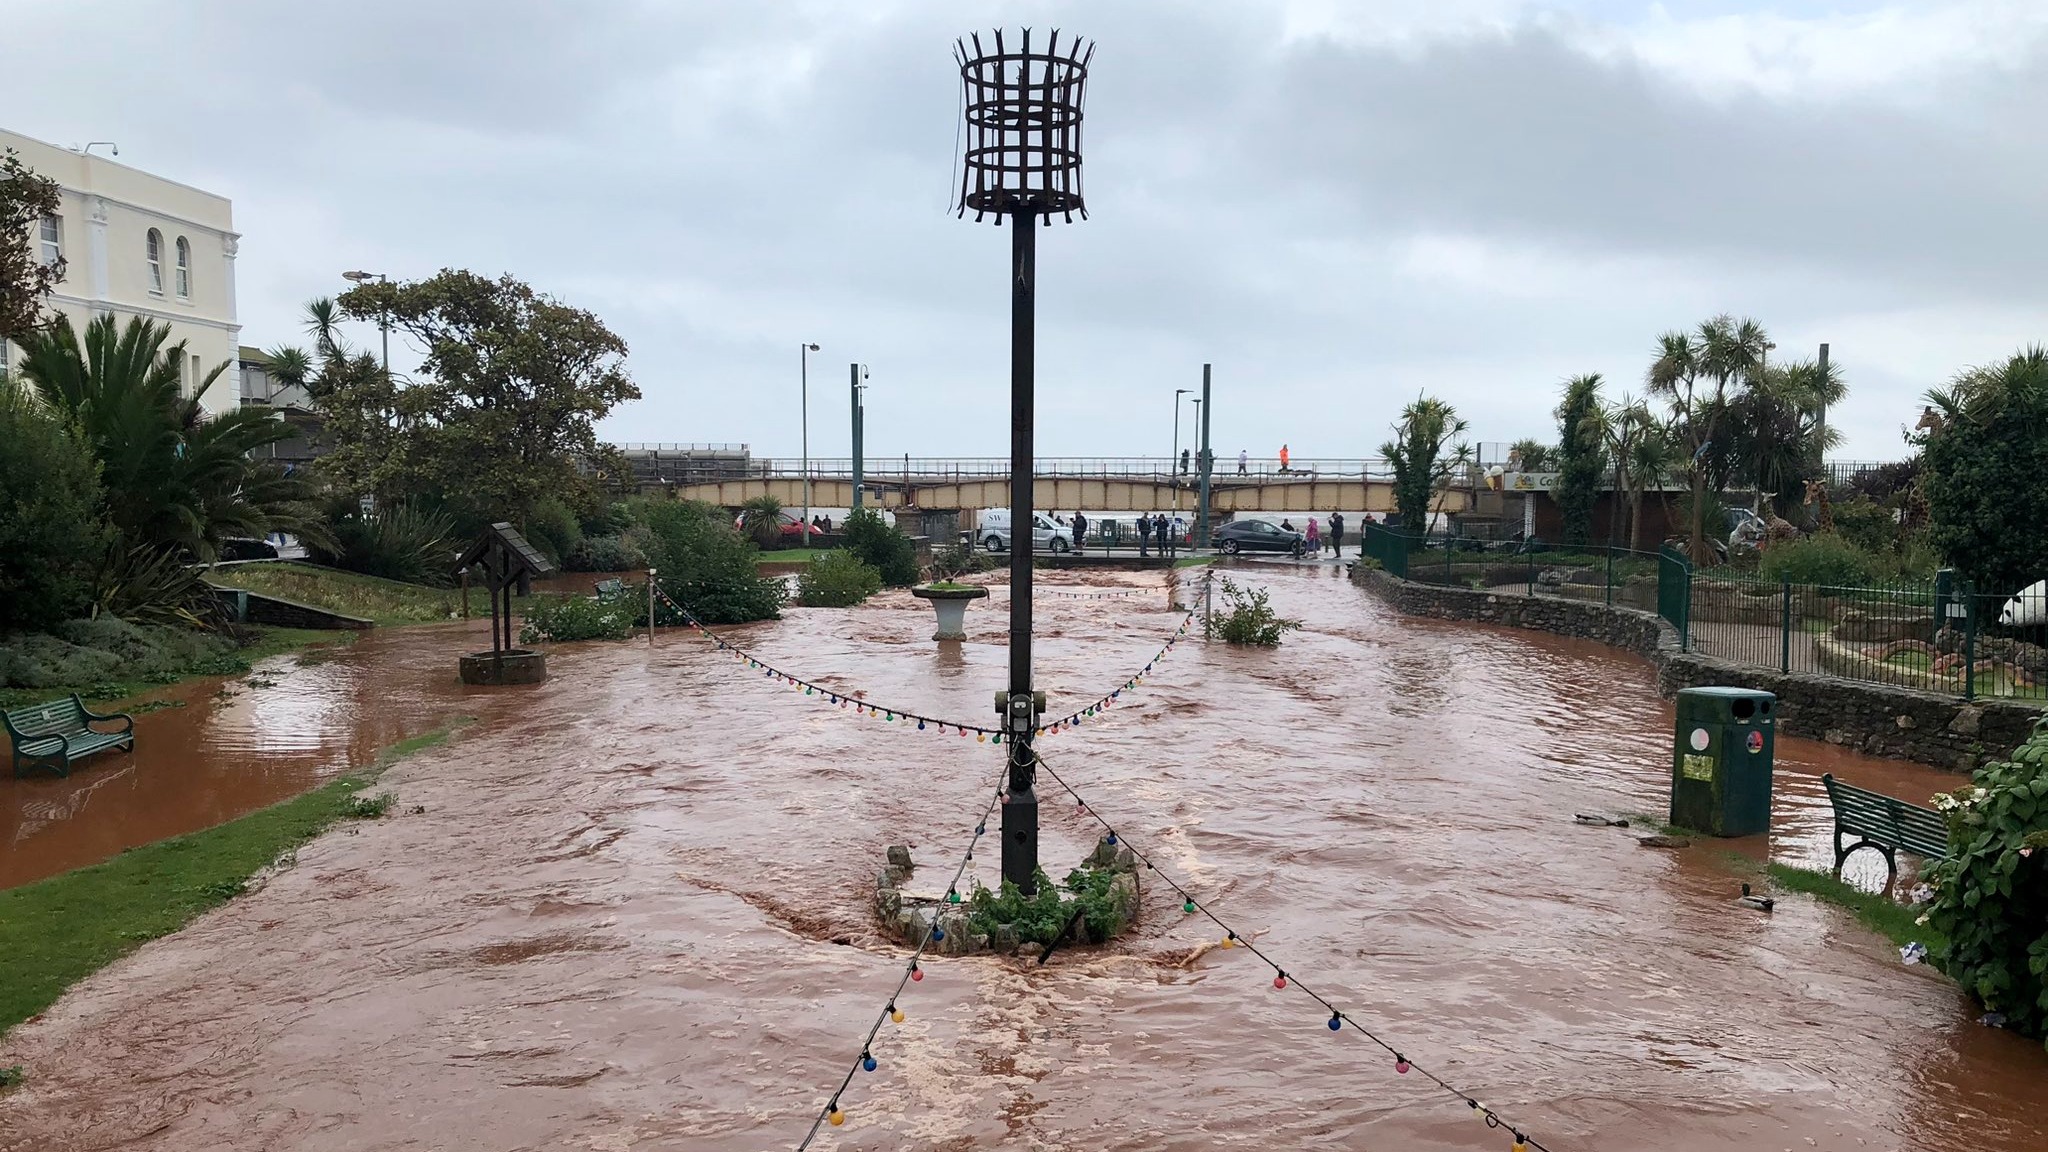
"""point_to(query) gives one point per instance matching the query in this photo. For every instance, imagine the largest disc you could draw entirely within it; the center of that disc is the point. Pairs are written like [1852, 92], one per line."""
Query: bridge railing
[935, 469]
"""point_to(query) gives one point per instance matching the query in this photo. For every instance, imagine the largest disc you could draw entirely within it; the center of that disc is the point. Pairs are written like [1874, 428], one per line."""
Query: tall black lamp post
[1022, 166]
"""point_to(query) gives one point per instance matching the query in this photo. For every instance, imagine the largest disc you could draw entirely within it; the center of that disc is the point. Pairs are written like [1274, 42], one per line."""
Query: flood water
[632, 916]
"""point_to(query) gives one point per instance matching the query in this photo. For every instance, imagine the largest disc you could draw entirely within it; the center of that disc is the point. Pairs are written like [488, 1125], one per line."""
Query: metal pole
[1173, 461]
[1785, 626]
[1820, 423]
[650, 607]
[804, 375]
[1020, 807]
[853, 377]
[1208, 466]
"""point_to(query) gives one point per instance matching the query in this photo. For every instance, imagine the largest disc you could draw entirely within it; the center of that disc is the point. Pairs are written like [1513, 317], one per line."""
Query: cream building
[140, 245]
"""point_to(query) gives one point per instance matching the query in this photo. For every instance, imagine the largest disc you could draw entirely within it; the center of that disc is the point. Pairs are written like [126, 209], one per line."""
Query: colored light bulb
[981, 829]
[895, 1014]
[996, 739]
[952, 895]
[1520, 1145]
[1189, 906]
[836, 1117]
[1280, 981]
[1336, 1021]
[888, 716]
[1401, 1064]
[1110, 840]
[867, 1062]
[981, 737]
[920, 725]
[938, 933]
[1230, 940]
[916, 973]
[1478, 1109]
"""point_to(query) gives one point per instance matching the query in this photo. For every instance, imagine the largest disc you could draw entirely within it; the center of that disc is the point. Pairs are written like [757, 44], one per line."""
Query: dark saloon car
[1258, 536]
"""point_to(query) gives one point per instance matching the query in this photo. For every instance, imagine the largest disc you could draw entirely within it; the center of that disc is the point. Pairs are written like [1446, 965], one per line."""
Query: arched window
[184, 268]
[153, 248]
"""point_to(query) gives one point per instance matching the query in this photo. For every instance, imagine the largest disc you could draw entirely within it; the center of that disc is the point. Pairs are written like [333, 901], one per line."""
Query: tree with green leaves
[1534, 455]
[1424, 452]
[53, 529]
[178, 482]
[1775, 432]
[1984, 456]
[1582, 456]
[504, 404]
[761, 520]
[1638, 447]
[25, 278]
[1700, 374]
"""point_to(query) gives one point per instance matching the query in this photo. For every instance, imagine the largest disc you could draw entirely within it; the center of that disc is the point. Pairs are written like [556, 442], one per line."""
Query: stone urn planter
[950, 602]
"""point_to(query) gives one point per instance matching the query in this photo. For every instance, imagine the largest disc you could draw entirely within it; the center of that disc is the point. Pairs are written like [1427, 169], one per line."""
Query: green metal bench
[55, 733]
[1885, 823]
[611, 589]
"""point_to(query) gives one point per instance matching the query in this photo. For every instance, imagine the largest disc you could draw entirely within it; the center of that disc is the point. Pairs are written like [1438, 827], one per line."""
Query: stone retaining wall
[256, 608]
[1878, 719]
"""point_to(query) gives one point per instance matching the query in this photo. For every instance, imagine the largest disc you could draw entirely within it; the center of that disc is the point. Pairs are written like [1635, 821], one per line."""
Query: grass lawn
[1193, 561]
[56, 932]
[269, 642]
[388, 602]
[1881, 914]
[791, 556]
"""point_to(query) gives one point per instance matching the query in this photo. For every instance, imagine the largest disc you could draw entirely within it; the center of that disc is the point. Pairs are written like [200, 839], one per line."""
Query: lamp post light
[384, 320]
[804, 376]
[1021, 164]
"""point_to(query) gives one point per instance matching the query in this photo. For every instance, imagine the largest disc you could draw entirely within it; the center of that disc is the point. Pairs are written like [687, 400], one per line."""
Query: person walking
[1080, 530]
[1315, 539]
[1144, 533]
[1243, 458]
[1337, 534]
[1283, 458]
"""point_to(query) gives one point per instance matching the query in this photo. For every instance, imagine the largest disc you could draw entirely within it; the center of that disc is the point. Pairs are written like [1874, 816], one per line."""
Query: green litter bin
[1721, 756]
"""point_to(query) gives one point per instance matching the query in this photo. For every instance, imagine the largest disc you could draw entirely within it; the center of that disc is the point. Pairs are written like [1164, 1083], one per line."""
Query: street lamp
[383, 321]
[804, 370]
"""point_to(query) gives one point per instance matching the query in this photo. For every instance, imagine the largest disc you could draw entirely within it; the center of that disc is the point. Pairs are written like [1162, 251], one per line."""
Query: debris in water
[1913, 953]
[1992, 1019]
[1599, 821]
[1920, 894]
[1665, 841]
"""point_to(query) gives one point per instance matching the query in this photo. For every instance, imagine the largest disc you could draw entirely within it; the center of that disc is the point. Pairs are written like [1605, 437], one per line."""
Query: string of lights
[832, 1113]
[865, 707]
[1283, 979]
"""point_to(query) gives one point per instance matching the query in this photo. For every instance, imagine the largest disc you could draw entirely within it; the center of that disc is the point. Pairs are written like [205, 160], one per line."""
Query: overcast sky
[1338, 203]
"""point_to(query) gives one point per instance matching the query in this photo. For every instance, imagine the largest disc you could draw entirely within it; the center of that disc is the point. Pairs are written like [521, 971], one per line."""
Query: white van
[1046, 534]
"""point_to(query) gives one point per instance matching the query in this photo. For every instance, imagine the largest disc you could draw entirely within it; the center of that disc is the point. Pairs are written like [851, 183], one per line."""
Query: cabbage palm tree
[1699, 374]
[1776, 434]
[1423, 455]
[1638, 446]
[177, 480]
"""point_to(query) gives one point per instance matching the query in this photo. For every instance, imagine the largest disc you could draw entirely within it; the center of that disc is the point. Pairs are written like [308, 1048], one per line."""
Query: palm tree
[178, 481]
[1695, 372]
[1418, 454]
[1639, 447]
[761, 519]
[1775, 431]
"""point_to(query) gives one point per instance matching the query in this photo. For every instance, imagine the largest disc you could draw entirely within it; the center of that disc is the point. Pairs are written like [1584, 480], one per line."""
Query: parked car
[791, 525]
[1258, 536]
[1046, 533]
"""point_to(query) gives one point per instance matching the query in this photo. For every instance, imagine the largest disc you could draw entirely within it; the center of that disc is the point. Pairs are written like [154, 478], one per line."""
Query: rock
[899, 857]
[1969, 720]
[1966, 762]
[1839, 736]
[1905, 721]
[1004, 939]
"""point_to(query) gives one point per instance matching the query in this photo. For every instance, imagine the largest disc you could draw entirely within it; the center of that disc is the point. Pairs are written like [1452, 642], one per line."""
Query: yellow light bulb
[1519, 1146]
[836, 1117]
[1230, 942]
[897, 1016]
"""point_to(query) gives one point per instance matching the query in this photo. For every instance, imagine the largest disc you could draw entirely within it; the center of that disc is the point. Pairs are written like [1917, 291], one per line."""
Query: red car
[792, 525]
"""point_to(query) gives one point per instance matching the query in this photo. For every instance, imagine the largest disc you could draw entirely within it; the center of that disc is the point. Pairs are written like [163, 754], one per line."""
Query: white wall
[107, 212]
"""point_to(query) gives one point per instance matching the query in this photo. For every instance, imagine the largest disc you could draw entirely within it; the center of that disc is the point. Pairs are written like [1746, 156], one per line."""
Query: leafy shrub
[761, 520]
[564, 618]
[403, 542]
[705, 566]
[1041, 917]
[959, 559]
[1867, 524]
[882, 546]
[1249, 620]
[1825, 559]
[606, 554]
[85, 653]
[838, 579]
[553, 529]
[1991, 893]
[52, 533]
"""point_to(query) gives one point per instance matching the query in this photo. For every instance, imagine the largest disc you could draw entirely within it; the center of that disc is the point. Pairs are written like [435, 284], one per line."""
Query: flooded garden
[629, 908]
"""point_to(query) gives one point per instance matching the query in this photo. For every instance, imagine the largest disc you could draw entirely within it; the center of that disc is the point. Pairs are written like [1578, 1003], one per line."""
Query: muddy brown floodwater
[632, 917]
[239, 744]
